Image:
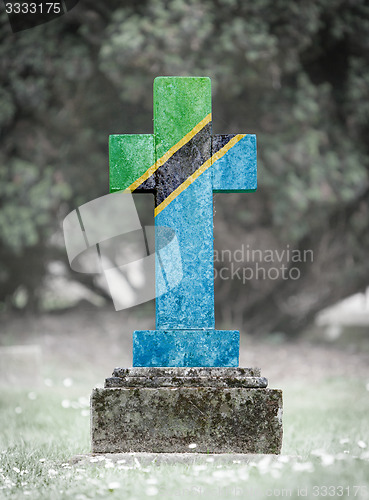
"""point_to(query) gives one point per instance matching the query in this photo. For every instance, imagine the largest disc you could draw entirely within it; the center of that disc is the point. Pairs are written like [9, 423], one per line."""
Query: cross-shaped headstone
[183, 164]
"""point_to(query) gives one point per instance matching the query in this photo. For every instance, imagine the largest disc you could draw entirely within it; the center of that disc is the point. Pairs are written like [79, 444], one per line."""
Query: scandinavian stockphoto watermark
[104, 237]
[246, 263]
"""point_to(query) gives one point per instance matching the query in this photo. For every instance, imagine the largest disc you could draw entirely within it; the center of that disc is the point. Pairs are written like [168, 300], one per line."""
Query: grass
[325, 451]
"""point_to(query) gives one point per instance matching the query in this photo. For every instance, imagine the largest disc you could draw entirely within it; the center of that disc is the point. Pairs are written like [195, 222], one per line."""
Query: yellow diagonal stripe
[216, 156]
[170, 153]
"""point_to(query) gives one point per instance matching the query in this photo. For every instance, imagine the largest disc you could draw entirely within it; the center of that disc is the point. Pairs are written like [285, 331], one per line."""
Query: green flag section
[130, 156]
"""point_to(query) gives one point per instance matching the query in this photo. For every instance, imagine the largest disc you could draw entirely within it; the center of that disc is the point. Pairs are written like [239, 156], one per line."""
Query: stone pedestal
[165, 410]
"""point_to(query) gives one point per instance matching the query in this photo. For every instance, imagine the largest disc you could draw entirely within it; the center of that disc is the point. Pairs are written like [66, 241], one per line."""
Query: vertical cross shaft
[184, 111]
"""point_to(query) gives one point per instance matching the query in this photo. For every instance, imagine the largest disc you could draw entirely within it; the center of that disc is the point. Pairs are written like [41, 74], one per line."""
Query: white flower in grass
[152, 480]
[67, 382]
[243, 474]
[199, 467]
[327, 460]
[124, 467]
[85, 413]
[264, 464]
[65, 403]
[52, 472]
[318, 453]
[83, 401]
[275, 473]
[344, 440]
[152, 491]
[8, 483]
[121, 461]
[42, 460]
[94, 459]
[18, 410]
[225, 474]
[218, 473]
[277, 465]
[361, 444]
[341, 456]
[109, 465]
[114, 485]
[192, 446]
[303, 467]
[15, 469]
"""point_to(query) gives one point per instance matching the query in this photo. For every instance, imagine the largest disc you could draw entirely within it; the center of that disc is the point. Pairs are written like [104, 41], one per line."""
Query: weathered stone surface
[198, 371]
[184, 376]
[217, 420]
[254, 382]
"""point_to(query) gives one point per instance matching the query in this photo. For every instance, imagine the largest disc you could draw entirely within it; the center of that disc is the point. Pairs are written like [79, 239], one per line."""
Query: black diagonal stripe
[183, 163]
[219, 141]
[179, 166]
[147, 185]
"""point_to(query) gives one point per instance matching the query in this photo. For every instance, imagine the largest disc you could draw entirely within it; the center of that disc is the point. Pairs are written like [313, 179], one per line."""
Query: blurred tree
[296, 74]
[55, 112]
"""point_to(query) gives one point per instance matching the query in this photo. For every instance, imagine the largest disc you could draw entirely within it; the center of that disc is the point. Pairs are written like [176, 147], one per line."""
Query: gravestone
[185, 386]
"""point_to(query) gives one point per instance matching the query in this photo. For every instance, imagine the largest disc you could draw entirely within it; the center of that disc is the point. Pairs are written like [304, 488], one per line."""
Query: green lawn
[325, 451]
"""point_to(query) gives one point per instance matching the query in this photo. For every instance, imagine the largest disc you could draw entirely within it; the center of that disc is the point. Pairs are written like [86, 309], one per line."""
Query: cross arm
[234, 163]
[131, 159]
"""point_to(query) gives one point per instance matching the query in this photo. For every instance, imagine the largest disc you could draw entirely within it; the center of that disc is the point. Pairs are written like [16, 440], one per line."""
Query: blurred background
[294, 73]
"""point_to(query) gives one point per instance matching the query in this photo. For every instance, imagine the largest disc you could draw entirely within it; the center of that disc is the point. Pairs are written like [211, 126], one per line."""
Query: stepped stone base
[168, 410]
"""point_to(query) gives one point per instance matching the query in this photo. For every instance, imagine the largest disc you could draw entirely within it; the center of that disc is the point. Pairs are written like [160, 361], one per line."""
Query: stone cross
[183, 164]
